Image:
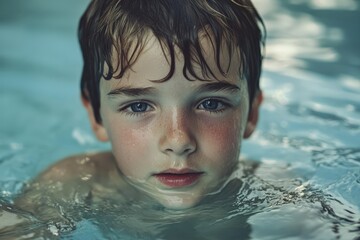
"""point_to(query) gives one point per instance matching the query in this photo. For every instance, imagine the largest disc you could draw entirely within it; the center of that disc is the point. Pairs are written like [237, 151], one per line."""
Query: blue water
[309, 124]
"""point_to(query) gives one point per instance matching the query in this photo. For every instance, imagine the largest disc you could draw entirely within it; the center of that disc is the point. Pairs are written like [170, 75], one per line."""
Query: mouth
[178, 178]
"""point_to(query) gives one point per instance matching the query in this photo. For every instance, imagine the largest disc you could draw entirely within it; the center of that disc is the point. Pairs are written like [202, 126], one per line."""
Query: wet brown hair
[120, 28]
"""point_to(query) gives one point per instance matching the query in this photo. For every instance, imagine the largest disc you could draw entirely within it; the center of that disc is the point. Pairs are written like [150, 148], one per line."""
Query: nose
[177, 137]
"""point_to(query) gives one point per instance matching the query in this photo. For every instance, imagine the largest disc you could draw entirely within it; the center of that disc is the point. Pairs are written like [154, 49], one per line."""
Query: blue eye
[136, 108]
[139, 107]
[212, 105]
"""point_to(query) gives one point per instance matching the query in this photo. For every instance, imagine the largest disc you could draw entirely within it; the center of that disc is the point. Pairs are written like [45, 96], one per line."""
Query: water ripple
[345, 157]
[325, 117]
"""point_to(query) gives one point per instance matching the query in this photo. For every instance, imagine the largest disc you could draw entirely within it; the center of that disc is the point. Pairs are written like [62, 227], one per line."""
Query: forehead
[153, 62]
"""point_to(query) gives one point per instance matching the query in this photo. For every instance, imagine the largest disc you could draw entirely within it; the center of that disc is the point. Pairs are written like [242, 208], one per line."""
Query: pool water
[300, 175]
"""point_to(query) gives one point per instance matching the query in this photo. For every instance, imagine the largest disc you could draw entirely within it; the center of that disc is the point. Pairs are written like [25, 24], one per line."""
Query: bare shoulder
[81, 167]
[69, 180]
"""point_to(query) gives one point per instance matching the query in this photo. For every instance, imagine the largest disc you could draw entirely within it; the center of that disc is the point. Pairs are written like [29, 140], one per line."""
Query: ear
[253, 115]
[97, 128]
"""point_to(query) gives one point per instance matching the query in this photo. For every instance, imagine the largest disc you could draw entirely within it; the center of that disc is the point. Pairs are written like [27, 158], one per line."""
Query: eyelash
[217, 101]
[127, 109]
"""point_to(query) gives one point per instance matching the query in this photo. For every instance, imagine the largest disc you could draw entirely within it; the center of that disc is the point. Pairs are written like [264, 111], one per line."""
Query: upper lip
[178, 171]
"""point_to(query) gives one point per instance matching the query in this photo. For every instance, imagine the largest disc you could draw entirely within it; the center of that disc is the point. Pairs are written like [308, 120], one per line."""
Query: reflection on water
[306, 180]
[316, 36]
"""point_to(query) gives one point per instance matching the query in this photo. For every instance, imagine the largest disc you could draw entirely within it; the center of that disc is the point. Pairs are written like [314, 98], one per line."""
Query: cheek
[221, 139]
[129, 147]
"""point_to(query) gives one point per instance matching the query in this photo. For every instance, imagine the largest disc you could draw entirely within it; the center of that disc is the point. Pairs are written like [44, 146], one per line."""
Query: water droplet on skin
[86, 177]
[82, 161]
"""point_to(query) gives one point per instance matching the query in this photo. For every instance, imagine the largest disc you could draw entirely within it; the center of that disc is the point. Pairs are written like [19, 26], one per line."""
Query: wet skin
[179, 140]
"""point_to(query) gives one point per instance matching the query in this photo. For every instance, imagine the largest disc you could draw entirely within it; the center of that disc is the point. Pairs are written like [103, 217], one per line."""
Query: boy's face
[178, 140]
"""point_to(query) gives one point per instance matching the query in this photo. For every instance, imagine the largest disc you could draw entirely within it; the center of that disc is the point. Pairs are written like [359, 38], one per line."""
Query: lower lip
[178, 180]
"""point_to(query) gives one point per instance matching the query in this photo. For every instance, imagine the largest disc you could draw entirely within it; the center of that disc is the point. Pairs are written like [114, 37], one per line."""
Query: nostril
[181, 150]
[188, 150]
[168, 150]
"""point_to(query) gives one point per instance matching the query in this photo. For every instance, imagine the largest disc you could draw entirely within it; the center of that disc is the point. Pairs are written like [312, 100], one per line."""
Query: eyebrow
[133, 92]
[207, 87]
[218, 86]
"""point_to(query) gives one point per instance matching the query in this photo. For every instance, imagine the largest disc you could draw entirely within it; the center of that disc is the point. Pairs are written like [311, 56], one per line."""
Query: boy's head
[114, 32]
[174, 85]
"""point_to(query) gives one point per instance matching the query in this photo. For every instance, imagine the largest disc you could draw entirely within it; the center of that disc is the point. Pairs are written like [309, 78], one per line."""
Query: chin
[179, 202]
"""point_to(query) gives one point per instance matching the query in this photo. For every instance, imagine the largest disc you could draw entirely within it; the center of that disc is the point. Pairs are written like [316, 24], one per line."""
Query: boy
[174, 86]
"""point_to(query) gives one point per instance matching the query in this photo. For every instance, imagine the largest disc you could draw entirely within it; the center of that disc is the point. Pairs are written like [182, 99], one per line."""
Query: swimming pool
[309, 125]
